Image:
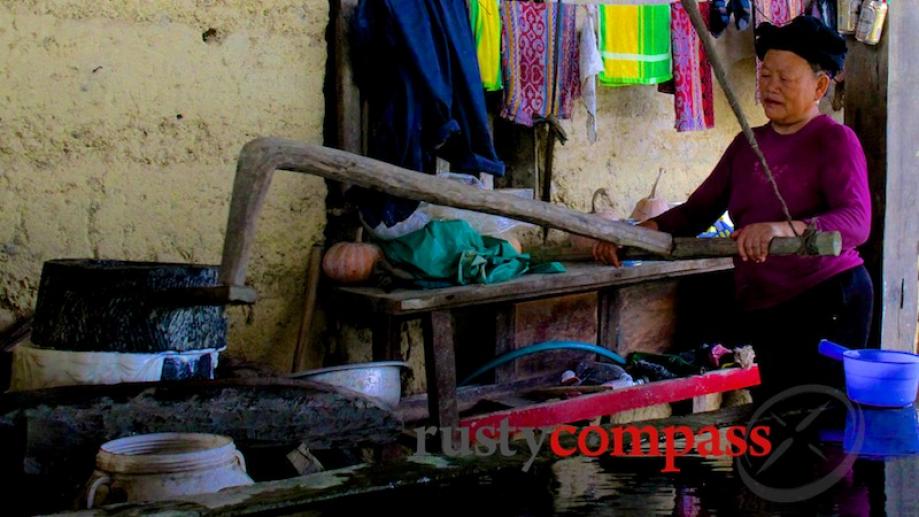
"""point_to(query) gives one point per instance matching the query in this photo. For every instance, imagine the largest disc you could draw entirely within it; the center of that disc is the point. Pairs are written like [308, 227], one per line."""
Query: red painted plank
[586, 407]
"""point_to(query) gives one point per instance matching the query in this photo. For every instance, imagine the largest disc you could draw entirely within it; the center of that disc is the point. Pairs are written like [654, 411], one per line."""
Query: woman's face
[789, 87]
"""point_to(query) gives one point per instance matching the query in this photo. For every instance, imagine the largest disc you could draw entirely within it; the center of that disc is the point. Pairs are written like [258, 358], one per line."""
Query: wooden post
[344, 128]
[901, 235]
[881, 108]
[347, 96]
[440, 369]
[304, 350]
[608, 318]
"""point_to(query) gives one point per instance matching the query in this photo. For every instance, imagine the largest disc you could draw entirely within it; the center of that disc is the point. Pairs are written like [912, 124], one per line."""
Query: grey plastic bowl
[381, 380]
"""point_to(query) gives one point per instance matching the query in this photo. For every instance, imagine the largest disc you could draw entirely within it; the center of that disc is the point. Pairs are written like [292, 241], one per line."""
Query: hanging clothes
[540, 61]
[415, 62]
[778, 13]
[591, 65]
[694, 100]
[635, 44]
[720, 17]
[485, 18]
[721, 12]
[825, 11]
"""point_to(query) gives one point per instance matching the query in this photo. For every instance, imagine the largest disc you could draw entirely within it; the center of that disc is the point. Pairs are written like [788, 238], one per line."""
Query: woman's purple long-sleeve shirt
[821, 173]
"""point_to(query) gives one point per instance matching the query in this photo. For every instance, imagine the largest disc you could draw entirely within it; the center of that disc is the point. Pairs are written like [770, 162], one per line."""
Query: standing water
[861, 462]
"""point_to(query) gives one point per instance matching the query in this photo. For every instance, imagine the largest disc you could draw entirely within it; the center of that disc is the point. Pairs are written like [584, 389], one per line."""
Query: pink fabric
[692, 73]
[532, 35]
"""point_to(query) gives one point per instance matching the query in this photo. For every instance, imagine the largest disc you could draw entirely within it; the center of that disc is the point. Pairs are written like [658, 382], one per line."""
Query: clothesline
[615, 2]
[636, 49]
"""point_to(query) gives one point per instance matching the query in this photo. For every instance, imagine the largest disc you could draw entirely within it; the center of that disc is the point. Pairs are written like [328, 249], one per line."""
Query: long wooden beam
[261, 157]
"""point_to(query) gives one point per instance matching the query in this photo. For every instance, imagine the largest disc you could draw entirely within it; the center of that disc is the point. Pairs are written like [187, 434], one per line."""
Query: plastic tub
[882, 378]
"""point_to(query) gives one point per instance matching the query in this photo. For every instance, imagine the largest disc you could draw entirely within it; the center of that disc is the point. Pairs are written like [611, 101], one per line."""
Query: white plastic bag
[485, 224]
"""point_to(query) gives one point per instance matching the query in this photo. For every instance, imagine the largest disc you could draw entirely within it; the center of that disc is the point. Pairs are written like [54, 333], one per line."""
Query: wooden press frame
[882, 106]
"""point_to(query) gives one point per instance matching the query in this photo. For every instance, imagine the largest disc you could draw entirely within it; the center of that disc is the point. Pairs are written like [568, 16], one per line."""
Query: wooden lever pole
[828, 243]
[261, 157]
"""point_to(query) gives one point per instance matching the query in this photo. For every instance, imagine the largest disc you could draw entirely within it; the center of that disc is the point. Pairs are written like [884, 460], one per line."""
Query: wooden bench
[435, 308]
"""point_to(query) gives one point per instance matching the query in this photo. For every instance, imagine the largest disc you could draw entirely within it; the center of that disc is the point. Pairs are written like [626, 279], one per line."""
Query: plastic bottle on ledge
[625, 382]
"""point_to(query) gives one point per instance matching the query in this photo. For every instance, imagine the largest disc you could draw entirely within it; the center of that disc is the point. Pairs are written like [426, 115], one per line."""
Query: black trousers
[785, 337]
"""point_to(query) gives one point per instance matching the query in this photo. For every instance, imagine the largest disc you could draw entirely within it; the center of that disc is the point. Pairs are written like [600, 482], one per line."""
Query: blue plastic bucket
[882, 378]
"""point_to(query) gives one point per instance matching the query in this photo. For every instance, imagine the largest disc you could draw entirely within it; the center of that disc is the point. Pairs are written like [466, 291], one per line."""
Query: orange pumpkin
[351, 262]
[586, 243]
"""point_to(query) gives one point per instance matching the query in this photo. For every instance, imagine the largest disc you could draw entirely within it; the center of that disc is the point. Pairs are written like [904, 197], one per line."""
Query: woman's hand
[753, 240]
[608, 253]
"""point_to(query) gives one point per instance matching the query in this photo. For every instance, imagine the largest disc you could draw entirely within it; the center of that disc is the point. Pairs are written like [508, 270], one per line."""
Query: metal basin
[381, 380]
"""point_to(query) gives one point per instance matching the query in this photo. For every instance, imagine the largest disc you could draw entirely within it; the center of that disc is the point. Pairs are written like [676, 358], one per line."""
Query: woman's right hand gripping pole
[608, 253]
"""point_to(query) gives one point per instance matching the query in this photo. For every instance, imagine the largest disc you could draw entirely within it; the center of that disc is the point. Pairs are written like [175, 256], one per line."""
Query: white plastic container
[164, 466]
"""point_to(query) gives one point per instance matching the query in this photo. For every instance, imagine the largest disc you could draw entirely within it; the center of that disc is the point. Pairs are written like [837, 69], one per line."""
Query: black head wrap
[807, 37]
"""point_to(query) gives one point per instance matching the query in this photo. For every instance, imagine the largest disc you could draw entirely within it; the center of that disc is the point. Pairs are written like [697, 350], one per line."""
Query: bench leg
[506, 341]
[440, 367]
[608, 319]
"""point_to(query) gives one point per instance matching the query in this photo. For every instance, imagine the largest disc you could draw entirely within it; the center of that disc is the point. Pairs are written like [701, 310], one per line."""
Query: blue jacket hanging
[415, 62]
[721, 11]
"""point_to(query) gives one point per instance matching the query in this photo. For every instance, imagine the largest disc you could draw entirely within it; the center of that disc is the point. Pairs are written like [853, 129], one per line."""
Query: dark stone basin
[120, 306]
